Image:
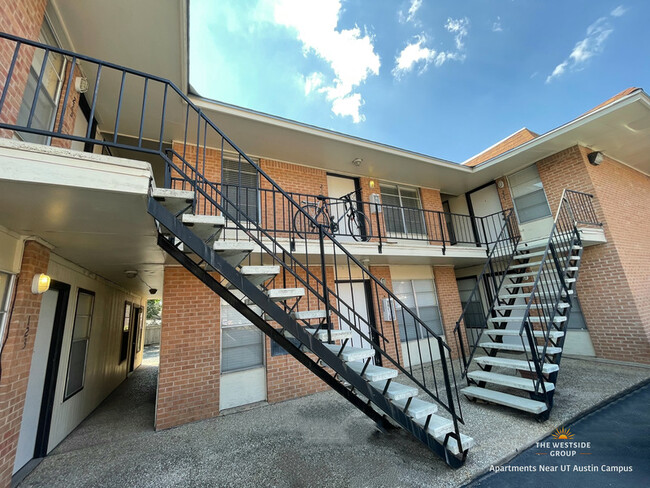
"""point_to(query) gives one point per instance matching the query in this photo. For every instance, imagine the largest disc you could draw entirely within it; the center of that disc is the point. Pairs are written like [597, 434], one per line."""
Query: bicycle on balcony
[356, 221]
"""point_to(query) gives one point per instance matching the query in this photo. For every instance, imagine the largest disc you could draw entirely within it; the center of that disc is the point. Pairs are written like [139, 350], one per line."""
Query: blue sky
[440, 77]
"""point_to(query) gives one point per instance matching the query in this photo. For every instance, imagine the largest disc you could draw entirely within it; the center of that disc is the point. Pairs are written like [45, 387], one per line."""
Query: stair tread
[259, 270]
[524, 306]
[538, 253]
[351, 353]
[508, 296]
[506, 399]
[396, 391]
[533, 318]
[280, 294]
[173, 200]
[417, 408]
[515, 364]
[514, 332]
[309, 314]
[372, 372]
[206, 227]
[438, 426]
[452, 445]
[518, 347]
[507, 380]
[337, 334]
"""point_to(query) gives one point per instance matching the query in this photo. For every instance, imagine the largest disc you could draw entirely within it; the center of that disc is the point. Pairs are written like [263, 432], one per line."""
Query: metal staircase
[290, 286]
[525, 328]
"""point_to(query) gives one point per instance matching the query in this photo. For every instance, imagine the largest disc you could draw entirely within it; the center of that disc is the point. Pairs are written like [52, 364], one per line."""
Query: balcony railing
[351, 219]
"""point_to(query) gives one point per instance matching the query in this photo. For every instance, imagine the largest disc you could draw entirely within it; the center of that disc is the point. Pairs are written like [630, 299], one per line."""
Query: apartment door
[485, 201]
[243, 372]
[135, 335]
[355, 306]
[41, 386]
[338, 186]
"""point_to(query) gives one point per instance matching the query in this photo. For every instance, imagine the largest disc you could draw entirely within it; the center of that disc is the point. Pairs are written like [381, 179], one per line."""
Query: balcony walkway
[319, 440]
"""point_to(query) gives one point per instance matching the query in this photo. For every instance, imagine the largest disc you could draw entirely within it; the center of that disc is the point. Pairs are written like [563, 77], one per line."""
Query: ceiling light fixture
[357, 162]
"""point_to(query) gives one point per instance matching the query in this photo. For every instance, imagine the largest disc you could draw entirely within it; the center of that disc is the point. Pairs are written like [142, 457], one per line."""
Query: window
[46, 102]
[528, 195]
[5, 292]
[239, 181]
[420, 297]
[80, 339]
[402, 210]
[126, 325]
[242, 344]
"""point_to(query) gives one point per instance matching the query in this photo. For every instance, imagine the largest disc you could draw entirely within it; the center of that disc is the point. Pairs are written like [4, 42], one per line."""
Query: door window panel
[80, 340]
[528, 195]
[242, 344]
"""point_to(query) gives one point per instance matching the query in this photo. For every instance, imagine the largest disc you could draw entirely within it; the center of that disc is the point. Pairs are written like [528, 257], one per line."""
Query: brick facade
[614, 281]
[190, 345]
[17, 355]
[449, 302]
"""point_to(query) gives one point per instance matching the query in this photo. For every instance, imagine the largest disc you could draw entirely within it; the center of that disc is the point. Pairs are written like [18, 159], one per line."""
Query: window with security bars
[240, 189]
[80, 340]
[420, 297]
[528, 195]
[242, 344]
[402, 211]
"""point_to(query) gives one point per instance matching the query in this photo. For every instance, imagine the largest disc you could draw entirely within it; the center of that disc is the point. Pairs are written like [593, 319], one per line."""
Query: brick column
[190, 349]
[436, 227]
[17, 355]
[390, 329]
[449, 302]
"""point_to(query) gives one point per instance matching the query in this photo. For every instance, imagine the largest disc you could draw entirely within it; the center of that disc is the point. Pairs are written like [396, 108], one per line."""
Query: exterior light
[595, 158]
[81, 84]
[371, 184]
[40, 284]
[357, 162]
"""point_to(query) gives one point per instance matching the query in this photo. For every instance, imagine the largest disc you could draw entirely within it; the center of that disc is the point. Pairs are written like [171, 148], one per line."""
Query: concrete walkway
[319, 440]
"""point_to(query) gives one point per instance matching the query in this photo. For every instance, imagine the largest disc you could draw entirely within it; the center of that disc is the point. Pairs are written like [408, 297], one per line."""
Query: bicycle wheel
[359, 226]
[303, 226]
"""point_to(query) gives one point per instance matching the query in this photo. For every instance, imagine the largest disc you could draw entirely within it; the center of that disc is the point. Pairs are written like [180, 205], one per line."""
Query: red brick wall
[436, 227]
[22, 19]
[71, 109]
[190, 345]
[614, 282]
[450, 306]
[504, 193]
[390, 329]
[17, 355]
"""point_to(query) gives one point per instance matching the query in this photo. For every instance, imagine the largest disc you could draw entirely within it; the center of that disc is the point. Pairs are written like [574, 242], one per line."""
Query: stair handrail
[203, 122]
[507, 234]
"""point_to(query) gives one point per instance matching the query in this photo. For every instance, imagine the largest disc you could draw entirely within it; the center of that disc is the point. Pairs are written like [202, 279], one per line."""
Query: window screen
[80, 340]
[420, 297]
[242, 344]
[239, 181]
[528, 195]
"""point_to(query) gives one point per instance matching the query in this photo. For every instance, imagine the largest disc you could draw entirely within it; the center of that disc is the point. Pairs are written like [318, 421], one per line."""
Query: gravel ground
[319, 440]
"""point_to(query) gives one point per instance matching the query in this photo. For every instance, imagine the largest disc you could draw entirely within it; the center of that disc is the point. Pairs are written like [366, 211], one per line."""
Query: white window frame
[226, 327]
[514, 204]
[417, 307]
[404, 232]
[69, 394]
[258, 200]
[4, 306]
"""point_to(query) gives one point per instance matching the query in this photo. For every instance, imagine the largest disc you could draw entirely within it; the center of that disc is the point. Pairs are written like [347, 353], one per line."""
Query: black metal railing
[471, 325]
[149, 114]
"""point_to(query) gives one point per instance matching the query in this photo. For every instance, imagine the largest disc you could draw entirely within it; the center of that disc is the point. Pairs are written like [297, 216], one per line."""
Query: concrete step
[528, 274]
[549, 285]
[541, 253]
[280, 294]
[337, 334]
[175, 201]
[518, 347]
[452, 445]
[512, 401]
[558, 319]
[417, 408]
[372, 372]
[309, 314]
[234, 252]
[515, 364]
[207, 227]
[438, 426]
[507, 296]
[351, 353]
[396, 391]
[258, 274]
[560, 306]
[513, 332]
[508, 380]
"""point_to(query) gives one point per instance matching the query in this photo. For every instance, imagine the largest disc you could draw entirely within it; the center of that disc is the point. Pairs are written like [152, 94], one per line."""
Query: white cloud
[416, 54]
[410, 15]
[593, 44]
[349, 53]
[496, 27]
[312, 82]
[460, 28]
[618, 11]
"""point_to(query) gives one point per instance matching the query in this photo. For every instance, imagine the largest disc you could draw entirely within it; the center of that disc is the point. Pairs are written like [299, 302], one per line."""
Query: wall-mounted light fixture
[81, 84]
[40, 283]
[595, 157]
[371, 184]
[357, 162]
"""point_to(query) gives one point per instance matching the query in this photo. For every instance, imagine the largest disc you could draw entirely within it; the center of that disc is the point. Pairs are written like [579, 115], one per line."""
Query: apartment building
[290, 259]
